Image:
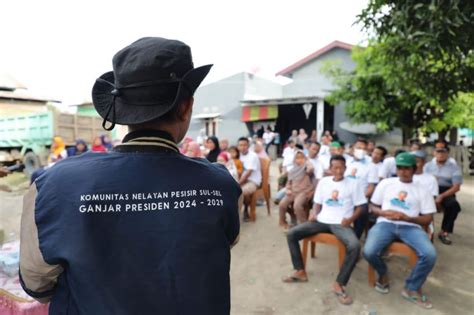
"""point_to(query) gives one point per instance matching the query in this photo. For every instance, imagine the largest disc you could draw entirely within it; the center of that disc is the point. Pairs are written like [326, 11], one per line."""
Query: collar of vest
[147, 140]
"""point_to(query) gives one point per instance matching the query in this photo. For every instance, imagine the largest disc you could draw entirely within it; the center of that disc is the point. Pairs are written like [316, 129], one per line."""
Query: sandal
[343, 298]
[444, 239]
[294, 279]
[420, 300]
[382, 288]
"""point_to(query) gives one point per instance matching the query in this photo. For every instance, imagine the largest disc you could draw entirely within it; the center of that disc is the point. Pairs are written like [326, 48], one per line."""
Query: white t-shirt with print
[349, 158]
[389, 168]
[409, 198]
[338, 199]
[288, 158]
[324, 150]
[358, 170]
[318, 168]
[428, 181]
[251, 161]
[325, 161]
[374, 170]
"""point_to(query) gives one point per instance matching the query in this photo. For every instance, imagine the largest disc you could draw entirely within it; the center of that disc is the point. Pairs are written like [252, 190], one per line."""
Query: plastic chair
[264, 189]
[324, 238]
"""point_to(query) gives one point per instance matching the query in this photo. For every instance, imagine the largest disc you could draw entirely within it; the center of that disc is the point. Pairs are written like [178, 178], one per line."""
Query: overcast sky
[58, 48]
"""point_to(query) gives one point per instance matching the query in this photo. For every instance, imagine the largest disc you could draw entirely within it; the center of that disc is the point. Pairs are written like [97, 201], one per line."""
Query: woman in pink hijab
[184, 145]
[194, 150]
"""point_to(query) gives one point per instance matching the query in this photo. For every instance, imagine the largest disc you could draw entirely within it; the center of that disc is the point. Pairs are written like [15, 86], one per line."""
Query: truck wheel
[31, 162]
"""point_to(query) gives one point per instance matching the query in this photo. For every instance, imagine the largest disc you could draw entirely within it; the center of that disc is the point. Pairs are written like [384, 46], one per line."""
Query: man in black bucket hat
[133, 231]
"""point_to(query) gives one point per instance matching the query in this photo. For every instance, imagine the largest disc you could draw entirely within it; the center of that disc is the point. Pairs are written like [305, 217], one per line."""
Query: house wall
[224, 97]
[309, 81]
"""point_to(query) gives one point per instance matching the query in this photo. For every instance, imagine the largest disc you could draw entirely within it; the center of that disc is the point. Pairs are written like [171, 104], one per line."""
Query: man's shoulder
[325, 180]
[431, 163]
[428, 176]
[388, 181]
[251, 155]
[451, 163]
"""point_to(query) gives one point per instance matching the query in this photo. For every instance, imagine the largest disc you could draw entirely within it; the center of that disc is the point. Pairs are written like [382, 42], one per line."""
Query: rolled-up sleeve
[457, 175]
[37, 277]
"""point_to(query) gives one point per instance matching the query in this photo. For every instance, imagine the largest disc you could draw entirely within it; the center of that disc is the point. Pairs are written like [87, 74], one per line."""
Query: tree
[417, 66]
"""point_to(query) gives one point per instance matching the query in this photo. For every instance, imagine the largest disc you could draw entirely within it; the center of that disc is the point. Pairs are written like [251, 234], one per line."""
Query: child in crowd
[235, 156]
[224, 159]
[299, 190]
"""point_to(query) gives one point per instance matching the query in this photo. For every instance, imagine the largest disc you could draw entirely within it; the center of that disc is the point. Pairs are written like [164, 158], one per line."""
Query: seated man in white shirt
[287, 164]
[378, 156]
[337, 202]
[313, 157]
[358, 169]
[335, 149]
[424, 179]
[389, 167]
[251, 177]
[403, 208]
[325, 145]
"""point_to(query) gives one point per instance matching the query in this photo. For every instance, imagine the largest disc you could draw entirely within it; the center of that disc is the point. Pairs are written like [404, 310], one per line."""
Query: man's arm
[314, 212]
[450, 192]
[423, 220]
[376, 210]
[355, 216]
[37, 277]
[245, 176]
[370, 190]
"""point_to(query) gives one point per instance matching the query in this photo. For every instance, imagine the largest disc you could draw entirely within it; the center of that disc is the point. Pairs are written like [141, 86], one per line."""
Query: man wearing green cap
[402, 208]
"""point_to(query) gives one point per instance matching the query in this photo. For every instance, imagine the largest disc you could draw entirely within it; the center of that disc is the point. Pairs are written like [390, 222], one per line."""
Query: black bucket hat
[149, 78]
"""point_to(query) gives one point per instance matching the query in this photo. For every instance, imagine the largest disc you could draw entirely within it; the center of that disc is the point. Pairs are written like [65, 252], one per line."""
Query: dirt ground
[261, 258]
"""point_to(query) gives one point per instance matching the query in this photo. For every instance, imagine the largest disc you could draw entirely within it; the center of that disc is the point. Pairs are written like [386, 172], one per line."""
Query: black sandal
[444, 239]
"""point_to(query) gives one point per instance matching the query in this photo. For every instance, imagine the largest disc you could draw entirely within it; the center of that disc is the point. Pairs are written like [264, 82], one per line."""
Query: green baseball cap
[405, 159]
[335, 144]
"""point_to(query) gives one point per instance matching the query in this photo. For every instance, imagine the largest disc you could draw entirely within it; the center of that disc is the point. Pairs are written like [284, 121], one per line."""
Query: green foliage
[417, 70]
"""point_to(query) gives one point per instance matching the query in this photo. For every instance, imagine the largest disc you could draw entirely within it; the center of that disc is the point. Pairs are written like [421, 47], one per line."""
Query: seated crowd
[59, 151]
[326, 188]
[361, 188]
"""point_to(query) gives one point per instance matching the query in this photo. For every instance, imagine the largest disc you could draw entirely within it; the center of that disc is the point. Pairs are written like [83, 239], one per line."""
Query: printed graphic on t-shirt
[401, 201]
[335, 201]
[353, 173]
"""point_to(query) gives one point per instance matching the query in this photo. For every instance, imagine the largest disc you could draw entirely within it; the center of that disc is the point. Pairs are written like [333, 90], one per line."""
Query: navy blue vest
[141, 230]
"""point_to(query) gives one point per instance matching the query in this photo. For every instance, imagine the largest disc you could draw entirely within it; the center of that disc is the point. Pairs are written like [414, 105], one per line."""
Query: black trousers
[451, 209]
